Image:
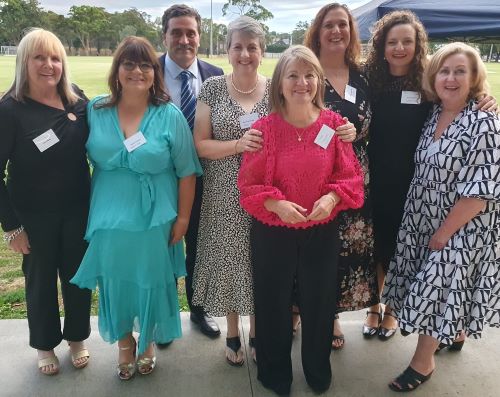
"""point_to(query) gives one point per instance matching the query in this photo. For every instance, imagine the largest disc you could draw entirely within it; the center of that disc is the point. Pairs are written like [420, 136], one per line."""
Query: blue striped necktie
[188, 101]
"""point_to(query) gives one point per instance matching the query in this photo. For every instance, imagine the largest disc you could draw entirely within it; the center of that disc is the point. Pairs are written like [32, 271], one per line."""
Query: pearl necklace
[244, 92]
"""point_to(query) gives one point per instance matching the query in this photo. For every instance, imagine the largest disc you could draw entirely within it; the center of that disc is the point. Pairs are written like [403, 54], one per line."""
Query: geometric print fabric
[441, 293]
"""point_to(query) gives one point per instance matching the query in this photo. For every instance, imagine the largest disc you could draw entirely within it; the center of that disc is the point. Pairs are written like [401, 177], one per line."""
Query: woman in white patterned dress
[444, 280]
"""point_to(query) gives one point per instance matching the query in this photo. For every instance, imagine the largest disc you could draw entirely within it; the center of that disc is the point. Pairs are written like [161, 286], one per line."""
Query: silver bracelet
[9, 237]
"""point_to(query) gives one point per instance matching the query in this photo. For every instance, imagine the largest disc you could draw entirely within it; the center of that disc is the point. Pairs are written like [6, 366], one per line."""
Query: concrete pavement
[194, 366]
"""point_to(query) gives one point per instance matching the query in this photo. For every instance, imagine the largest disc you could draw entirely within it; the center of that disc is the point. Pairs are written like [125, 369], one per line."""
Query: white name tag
[135, 141]
[324, 136]
[350, 94]
[46, 140]
[410, 97]
[247, 120]
[432, 149]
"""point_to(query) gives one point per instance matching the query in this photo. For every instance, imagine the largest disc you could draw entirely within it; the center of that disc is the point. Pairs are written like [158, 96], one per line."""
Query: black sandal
[387, 333]
[340, 337]
[295, 325]
[409, 380]
[370, 332]
[234, 344]
[251, 343]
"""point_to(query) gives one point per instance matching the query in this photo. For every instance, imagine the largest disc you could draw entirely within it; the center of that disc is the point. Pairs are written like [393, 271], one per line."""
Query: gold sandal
[126, 371]
[83, 353]
[146, 365]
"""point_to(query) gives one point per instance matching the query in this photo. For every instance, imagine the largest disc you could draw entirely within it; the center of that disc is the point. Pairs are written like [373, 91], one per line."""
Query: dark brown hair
[179, 10]
[376, 65]
[135, 49]
[353, 50]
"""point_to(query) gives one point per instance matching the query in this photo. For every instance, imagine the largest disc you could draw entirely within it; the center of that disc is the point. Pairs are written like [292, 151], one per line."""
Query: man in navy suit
[181, 27]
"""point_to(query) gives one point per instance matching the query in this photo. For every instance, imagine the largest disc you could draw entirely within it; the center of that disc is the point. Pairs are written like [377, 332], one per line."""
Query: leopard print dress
[223, 280]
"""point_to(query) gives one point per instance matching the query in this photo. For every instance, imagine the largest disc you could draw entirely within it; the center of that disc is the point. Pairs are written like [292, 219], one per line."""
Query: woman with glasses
[142, 192]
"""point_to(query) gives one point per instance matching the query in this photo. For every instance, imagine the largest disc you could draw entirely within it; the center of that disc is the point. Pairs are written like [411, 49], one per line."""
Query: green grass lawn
[90, 73]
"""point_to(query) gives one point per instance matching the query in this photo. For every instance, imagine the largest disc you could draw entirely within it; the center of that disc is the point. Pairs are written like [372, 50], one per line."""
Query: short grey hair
[247, 26]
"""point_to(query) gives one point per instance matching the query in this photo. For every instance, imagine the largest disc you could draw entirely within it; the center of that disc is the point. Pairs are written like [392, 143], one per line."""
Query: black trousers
[281, 256]
[57, 248]
[191, 240]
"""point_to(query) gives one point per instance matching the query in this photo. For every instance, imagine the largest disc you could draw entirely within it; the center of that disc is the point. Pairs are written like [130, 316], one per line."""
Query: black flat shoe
[409, 380]
[207, 324]
[370, 332]
[385, 334]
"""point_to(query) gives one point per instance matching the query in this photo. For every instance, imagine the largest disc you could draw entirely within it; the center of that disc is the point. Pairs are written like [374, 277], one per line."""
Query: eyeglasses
[145, 67]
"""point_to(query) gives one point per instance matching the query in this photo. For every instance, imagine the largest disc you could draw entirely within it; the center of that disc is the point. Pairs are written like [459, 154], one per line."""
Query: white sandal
[46, 362]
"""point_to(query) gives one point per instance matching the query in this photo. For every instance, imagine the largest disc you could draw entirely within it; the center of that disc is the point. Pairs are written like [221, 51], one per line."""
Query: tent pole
[491, 52]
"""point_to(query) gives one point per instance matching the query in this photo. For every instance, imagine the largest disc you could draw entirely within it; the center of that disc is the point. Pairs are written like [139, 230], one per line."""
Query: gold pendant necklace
[299, 136]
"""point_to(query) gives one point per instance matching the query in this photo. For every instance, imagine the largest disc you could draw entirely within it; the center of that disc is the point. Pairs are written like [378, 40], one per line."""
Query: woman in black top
[44, 202]
[395, 67]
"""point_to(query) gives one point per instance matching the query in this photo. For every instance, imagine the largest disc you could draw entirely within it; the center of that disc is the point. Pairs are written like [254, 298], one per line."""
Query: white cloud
[286, 13]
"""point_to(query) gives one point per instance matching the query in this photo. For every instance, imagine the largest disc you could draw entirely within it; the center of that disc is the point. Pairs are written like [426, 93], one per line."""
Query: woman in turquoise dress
[143, 182]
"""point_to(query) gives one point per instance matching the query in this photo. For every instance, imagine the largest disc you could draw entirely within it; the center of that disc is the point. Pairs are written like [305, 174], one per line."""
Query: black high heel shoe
[369, 332]
[387, 333]
[454, 347]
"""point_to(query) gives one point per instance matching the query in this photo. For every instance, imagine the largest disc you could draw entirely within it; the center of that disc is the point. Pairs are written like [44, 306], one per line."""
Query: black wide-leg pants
[57, 249]
[281, 255]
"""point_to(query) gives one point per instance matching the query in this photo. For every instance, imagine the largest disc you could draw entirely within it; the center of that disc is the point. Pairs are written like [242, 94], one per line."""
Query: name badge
[324, 136]
[247, 120]
[135, 141]
[350, 94]
[432, 149]
[46, 140]
[410, 97]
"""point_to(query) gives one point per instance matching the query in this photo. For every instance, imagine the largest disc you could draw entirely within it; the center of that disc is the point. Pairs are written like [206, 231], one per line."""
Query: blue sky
[286, 13]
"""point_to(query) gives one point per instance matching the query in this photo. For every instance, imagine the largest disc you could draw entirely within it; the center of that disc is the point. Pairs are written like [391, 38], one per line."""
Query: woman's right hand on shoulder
[287, 211]
[20, 243]
[251, 141]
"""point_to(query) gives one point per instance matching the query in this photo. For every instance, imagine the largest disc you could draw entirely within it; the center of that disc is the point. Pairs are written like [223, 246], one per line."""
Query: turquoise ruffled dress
[133, 207]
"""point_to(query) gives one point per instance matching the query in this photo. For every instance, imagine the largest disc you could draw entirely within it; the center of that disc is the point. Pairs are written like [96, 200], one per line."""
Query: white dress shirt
[173, 79]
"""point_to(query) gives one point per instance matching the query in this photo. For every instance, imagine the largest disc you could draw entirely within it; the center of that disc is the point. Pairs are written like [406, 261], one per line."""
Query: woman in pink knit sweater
[294, 188]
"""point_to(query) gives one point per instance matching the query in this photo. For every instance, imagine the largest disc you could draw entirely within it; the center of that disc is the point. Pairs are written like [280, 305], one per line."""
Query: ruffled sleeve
[346, 179]
[256, 176]
[479, 176]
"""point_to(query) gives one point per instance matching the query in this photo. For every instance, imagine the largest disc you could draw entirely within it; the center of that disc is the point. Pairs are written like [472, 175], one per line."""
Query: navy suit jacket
[206, 70]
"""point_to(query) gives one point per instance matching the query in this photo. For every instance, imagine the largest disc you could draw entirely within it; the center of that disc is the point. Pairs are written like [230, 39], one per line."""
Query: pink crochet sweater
[299, 171]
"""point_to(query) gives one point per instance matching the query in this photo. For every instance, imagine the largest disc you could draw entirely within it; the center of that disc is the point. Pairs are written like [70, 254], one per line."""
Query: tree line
[92, 30]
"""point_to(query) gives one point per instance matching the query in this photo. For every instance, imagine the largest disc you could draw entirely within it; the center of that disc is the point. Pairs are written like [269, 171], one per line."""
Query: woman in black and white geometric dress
[444, 280]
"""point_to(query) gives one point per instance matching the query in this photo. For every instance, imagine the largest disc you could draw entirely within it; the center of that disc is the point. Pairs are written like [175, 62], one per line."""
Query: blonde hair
[295, 53]
[40, 40]
[479, 87]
